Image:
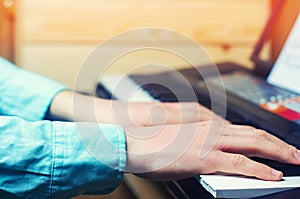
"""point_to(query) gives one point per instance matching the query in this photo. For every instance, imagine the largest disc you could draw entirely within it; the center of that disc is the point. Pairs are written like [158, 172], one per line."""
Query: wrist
[148, 148]
[61, 107]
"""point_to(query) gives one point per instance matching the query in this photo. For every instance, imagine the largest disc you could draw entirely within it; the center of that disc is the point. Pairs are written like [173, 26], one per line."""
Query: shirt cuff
[25, 94]
[88, 158]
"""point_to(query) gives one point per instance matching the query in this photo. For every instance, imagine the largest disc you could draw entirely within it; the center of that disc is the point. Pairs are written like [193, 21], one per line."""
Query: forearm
[72, 106]
[57, 159]
[61, 107]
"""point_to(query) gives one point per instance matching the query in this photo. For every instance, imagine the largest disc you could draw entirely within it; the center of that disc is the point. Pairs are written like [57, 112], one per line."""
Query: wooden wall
[284, 23]
[7, 29]
[54, 37]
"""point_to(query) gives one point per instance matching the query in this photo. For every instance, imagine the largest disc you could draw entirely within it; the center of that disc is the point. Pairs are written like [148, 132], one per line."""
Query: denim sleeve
[46, 159]
[25, 94]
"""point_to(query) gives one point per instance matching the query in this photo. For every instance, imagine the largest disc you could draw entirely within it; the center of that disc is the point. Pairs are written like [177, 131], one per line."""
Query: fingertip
[276, 175]
[297, 155]
[269, 174]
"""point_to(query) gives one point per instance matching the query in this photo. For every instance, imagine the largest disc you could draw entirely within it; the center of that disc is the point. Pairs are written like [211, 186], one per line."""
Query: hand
[72, 106]
[173, 151]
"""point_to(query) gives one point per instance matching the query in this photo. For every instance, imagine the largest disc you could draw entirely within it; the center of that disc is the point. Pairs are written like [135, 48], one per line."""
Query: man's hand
[72, 106]
[180, 151]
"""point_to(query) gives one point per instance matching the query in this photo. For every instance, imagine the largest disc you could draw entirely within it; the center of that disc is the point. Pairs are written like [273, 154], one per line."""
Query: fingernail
[276, 173]
[297, 154]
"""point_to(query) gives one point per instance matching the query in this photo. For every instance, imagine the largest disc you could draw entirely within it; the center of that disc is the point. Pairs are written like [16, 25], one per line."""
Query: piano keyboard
[127, 89]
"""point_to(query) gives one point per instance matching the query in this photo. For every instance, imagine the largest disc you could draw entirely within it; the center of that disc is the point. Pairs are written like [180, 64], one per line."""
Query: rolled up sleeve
[25, 94]
[46, 159]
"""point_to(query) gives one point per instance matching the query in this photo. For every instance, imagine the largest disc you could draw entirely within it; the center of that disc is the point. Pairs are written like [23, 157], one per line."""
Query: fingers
[240, 164]
[237, 142]
[255, 142]
[242, 130]
[259, 147]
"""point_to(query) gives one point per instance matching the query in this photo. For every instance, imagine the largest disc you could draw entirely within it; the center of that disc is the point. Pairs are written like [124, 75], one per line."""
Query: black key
[236, 118]
[102, 92]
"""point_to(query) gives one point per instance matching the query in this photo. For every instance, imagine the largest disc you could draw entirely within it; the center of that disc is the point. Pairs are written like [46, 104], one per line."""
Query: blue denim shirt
[44, 159]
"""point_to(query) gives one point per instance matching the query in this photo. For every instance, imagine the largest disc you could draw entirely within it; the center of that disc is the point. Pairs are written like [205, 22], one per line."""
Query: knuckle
[280, 150]
[262, 134]
[214, 161]
[207, 124]
[238, 160]
[255, 139]
[223, 142]
[251, 128]
[291, 148]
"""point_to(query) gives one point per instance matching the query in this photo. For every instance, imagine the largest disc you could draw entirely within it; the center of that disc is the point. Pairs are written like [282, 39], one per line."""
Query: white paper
[223, 186]
[286, 70]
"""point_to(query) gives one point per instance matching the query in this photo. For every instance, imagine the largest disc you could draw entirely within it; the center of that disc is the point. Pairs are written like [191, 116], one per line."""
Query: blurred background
[54, 37]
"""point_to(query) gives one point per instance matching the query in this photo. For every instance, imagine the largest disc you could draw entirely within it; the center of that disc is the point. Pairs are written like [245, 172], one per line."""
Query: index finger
[248, 131]
[240, 164]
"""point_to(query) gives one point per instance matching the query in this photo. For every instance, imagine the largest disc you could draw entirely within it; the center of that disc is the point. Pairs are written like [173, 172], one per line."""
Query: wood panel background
[54, 37]
[7, 29]
[284, 23]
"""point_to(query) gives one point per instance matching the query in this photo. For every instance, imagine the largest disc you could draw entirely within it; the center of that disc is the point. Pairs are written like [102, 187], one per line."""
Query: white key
[125, 89]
